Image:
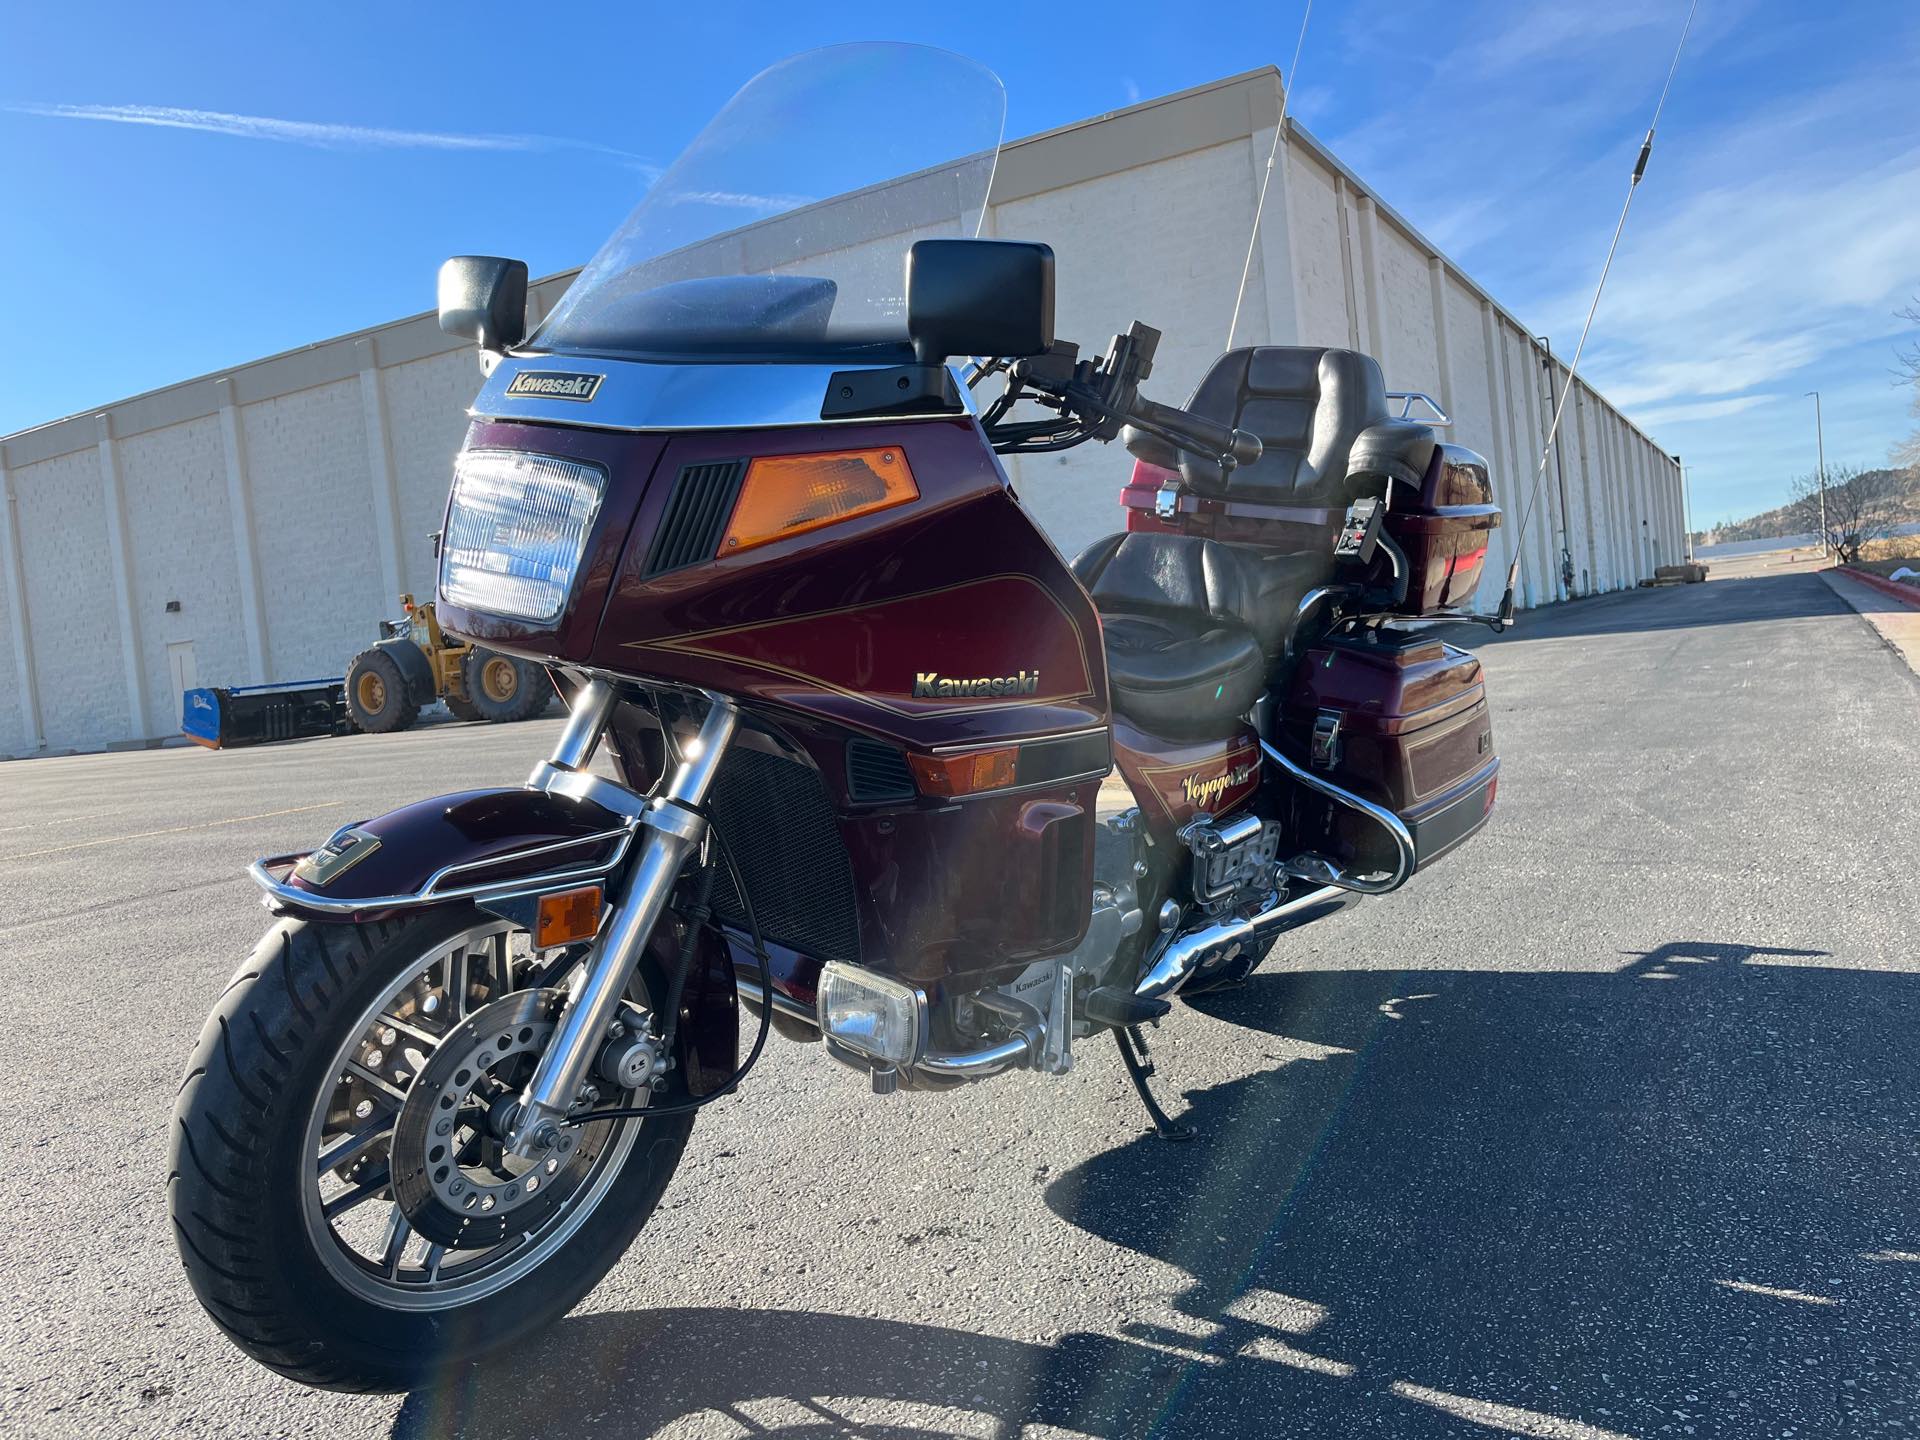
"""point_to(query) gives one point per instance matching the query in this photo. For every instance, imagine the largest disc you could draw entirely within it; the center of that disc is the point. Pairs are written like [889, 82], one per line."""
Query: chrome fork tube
[673, 829]
[586, 721]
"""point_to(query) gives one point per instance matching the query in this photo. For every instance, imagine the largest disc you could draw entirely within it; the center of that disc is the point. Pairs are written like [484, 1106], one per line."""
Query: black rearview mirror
[979, 297]
[484, 298]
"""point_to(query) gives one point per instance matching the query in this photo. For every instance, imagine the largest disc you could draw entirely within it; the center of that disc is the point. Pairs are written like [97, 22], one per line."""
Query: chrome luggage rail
[1324, 871]
[439, 888]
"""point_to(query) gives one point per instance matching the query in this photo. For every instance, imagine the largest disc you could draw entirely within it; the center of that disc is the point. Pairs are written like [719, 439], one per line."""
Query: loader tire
[379, 698]
[502, 688]
[462, 708]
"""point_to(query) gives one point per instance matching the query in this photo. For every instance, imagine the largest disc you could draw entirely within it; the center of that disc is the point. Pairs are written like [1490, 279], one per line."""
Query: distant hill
[1777, 523]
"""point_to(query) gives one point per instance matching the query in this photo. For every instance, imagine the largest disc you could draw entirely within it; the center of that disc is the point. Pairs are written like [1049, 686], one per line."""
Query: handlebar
[1095, 398]
[1207, 435]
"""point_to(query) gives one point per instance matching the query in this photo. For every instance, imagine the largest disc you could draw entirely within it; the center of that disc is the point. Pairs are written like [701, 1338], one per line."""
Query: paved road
[1605, 1127]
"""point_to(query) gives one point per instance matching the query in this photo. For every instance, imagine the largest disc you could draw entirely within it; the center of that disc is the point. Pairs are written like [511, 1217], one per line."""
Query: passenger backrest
[1306, 404]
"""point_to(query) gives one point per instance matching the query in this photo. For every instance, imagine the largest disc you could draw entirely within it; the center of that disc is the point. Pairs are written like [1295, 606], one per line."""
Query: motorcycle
[849, 748]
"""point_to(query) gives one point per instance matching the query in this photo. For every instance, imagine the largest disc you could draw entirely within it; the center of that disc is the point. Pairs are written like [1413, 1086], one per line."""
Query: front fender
[448, 848]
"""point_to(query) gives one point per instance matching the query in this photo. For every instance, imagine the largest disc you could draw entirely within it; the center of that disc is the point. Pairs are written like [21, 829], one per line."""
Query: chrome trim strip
[685, 395]
[261, 872]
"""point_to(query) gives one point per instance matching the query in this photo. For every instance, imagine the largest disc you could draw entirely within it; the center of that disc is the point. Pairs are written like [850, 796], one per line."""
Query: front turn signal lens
[567, 916]
[965, 774]
[787, 495]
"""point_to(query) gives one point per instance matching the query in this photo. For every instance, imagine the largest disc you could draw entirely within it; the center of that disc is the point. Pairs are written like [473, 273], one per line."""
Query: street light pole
[1820, 438]
[1686, 504]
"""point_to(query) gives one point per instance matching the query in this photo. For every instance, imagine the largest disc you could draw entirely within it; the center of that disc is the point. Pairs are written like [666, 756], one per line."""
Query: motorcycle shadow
[1555, 1204]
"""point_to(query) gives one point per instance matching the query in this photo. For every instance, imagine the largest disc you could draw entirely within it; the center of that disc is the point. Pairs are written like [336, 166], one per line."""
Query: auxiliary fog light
[879, 1018]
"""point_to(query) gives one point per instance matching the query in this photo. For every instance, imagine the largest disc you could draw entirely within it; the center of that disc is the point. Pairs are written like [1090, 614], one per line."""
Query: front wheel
[339, 1199]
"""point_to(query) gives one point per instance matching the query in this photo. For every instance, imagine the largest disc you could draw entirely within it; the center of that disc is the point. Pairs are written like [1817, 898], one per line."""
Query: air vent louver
[696, 513]
[877, 771]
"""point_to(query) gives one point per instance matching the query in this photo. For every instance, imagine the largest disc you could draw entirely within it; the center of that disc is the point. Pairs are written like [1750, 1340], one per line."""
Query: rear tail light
[786, 495]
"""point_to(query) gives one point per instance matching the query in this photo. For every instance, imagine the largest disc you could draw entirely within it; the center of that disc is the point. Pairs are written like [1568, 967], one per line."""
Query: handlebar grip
[1209, 435]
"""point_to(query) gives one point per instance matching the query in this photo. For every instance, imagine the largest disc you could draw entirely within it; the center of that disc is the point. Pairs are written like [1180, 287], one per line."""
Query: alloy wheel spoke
[502, 978]
[457, 985]
[346, 1151]
[394, 1248]
[412, 1031]
[378, 1081]
[358, 1195]
[435, 1254]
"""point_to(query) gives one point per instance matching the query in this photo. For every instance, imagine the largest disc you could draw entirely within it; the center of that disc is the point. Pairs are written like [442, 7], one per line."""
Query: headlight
[879, 1018]
[515, 532]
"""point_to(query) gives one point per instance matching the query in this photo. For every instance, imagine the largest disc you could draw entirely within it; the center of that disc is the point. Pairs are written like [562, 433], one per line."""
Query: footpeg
[1122, 1009]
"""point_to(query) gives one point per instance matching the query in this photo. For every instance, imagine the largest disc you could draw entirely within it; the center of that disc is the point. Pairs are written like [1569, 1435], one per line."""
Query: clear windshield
[782, 230]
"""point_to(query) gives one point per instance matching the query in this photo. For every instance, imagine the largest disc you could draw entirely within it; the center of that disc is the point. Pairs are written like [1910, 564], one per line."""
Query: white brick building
[252, 527]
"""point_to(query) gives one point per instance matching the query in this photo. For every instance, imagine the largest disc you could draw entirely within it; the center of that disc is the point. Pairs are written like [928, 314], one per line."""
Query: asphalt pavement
[1606, 1126]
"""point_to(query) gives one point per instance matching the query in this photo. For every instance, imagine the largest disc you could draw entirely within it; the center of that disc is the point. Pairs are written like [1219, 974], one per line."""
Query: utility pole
[1820, 438]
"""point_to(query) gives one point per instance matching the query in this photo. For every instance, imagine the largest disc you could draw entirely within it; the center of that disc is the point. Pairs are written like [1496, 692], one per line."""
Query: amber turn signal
[787, 495]
[965, 774]
[568, 916]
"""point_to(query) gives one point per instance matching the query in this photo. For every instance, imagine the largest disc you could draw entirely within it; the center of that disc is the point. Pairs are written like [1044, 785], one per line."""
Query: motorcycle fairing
[1174, 782]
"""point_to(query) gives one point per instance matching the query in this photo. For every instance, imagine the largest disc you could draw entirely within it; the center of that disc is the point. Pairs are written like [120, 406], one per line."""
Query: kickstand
[1139, 1067]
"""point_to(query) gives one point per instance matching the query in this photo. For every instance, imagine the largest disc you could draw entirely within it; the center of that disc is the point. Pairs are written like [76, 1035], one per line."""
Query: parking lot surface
[1605, 1126]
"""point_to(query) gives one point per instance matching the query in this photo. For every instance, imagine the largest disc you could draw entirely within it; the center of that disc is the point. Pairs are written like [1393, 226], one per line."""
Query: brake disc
[452, 1178]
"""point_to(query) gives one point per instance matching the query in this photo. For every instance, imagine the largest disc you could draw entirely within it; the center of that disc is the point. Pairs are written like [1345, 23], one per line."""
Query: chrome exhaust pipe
[1186, 953]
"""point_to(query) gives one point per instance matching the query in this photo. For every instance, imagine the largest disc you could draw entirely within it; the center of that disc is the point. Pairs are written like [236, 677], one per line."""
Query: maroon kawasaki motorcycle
[849, 743]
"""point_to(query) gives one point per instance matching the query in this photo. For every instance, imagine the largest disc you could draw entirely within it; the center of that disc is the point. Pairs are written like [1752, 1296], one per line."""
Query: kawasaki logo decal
[555, 385]
[931, 685]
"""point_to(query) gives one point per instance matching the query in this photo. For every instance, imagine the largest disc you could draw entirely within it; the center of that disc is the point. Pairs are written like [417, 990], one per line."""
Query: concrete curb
[1906, 594]
[1894, 618]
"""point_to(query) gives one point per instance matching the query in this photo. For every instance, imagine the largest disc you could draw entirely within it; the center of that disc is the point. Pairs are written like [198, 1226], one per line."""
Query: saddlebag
[1399, 718]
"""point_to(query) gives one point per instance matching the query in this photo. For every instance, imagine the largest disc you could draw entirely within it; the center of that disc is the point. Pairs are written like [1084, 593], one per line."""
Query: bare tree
[1861, 506]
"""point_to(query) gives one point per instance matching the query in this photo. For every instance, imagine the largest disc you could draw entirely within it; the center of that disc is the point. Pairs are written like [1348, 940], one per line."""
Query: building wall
[283, 507]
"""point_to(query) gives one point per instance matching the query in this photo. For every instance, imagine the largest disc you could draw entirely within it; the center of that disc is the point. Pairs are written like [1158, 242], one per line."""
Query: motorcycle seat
[1322, 416]
[1192, 626]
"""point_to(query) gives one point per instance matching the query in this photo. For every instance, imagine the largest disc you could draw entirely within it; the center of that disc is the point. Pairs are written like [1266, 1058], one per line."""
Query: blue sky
[1775, 237]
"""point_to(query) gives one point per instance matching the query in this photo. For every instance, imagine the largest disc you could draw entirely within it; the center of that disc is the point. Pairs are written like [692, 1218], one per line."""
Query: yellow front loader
[416, 663]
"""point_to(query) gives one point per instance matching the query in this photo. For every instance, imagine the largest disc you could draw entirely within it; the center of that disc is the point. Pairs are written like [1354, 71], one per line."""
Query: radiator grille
[877, 771]
[696, 513]
[776, 817]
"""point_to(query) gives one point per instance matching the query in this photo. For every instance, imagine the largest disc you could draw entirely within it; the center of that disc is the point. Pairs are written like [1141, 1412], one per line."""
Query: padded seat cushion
[1191, 625]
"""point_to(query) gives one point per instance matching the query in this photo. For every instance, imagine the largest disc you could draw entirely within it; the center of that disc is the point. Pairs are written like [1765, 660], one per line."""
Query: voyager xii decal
[1202, 790]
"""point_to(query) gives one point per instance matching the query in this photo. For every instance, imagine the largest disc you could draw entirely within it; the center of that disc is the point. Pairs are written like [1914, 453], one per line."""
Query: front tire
[245, 1187]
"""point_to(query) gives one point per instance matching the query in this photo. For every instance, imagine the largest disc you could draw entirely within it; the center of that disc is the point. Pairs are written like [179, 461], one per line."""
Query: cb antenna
[1505, 616]
[1279, 130]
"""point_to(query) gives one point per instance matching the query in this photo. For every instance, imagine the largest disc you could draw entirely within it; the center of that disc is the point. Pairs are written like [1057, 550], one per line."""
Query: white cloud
[1699, 410]
[1744, 285]
[323, 135]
